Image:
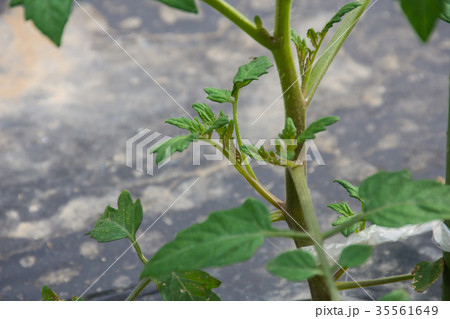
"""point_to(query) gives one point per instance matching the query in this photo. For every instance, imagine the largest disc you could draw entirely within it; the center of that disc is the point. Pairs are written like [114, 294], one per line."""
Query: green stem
[144, 282]
[238, 135]
[314, 230]
[294, 105]
[351, 221]
[338, 274]
[139, 252]
[373, 282]
[295, 108]
[137, 290]
[446, 255]
[272, 199]
[242, 22]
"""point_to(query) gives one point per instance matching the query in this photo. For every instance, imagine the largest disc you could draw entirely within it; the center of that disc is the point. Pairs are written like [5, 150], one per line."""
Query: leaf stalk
[139, 251]
[373, 282]
[260, 35]
[247, 165]
[138, 289]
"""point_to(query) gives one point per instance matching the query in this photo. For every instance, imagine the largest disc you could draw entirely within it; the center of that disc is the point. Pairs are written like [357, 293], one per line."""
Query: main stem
[446, 255]
[329, 288]
[295, 108]
[294, 104]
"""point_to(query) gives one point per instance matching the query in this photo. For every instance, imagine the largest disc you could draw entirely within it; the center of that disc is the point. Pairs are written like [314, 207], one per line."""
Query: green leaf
[346, 212]
[49, 295]
[184, 5]
[296, 38]
[294, 265]
[396, 295]
[182, 122]
[395, 200]
[355, 255]
[332, 48]
[251, 71]
[219, 123]
[251, 151]
[49, 16]
[302, 50]
[175, 144]
[348, 231]
[315, 127]
[206, 114]
[340, 14]
[352, 190]
[426, 273]
[270, 157]
[313, 36]
[187, 124]
[445, 12]
[422, 14]
[194, 285]
[119, 223]
[286, 151]
[288, 135]
[14, 3]
[289, 131]
[342, 209]
[226, 237]
[219, 95]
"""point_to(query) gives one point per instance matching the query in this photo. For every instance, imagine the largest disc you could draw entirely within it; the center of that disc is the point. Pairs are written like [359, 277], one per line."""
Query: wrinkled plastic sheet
[441, 236]
[376, 235]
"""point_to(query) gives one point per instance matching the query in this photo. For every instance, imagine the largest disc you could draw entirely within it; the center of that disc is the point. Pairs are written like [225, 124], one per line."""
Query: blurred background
[66, 114]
